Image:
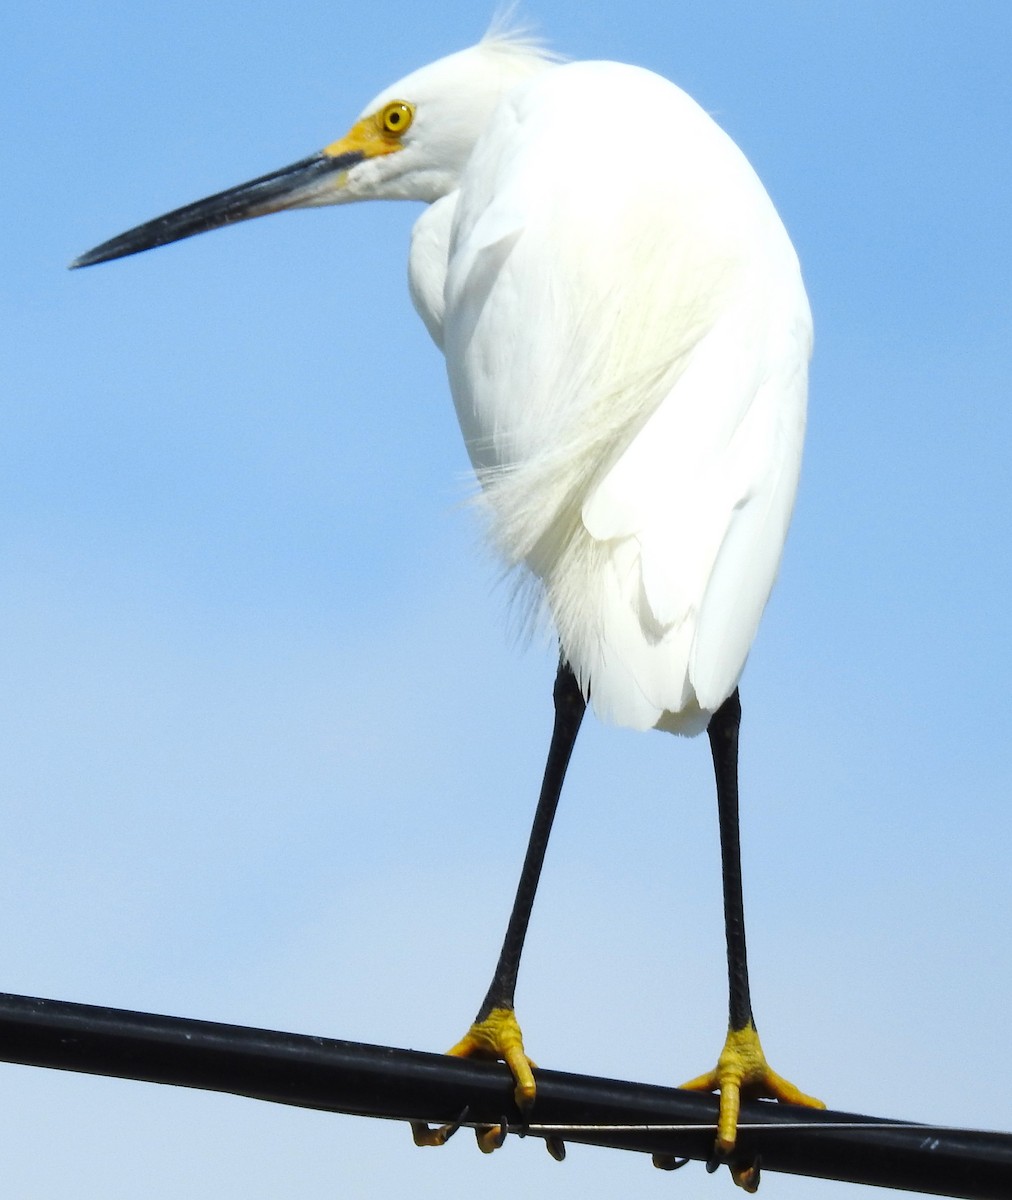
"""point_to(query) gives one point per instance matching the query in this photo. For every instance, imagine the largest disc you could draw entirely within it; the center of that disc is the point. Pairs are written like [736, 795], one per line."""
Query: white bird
[627, 338]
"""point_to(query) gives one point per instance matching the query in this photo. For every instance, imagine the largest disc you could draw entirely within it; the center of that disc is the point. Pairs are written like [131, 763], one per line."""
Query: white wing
[627, 338]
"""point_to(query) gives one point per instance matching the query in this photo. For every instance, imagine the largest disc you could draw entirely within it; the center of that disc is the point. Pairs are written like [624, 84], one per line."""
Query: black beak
[303, 183]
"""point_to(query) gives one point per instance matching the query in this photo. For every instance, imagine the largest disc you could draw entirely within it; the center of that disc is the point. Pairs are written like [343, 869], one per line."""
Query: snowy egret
[627, 337]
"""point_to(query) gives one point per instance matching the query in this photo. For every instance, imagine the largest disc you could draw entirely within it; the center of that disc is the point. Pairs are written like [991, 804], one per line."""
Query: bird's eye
[396, 117]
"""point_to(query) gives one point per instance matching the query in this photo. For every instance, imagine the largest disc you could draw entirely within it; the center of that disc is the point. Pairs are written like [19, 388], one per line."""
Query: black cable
[378, 1081]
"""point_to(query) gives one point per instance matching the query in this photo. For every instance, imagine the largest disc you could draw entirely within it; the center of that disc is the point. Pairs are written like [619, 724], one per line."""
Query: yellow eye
[396, 117]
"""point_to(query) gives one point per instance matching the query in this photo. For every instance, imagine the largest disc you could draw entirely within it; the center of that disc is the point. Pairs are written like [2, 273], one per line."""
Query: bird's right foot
[495, 1037]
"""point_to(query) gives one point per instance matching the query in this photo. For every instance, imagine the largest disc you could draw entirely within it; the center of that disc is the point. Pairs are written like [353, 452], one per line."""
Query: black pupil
[395, 117]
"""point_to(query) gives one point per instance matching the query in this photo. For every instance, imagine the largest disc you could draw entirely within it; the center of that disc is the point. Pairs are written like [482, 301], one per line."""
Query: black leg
[569, 709]
[742, 1068]
[723, 734]
[495, 1032]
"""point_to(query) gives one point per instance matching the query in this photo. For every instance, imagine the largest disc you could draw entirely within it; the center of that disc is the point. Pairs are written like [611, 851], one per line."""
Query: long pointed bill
[303, 183]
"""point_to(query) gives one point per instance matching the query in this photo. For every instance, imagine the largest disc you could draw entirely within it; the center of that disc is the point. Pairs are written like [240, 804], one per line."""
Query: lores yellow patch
[379, 133]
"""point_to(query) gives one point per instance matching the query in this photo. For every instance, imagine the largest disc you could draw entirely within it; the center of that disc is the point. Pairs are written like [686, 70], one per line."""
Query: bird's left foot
[742, 1070]
[496, 1037]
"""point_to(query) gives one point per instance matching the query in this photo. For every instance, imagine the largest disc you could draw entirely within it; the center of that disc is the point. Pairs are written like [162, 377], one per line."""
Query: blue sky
[269, 754]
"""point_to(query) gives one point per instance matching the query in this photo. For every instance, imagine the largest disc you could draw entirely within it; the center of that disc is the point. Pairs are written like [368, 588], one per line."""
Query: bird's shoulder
[609, 149]
[595, 179]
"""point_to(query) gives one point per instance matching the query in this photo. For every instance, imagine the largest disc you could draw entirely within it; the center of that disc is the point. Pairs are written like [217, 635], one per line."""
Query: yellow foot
[497, 1038]
[742, 1070]
[489, 1137]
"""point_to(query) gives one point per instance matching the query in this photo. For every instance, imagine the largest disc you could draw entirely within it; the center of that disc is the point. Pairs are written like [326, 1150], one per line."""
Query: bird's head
[410, 143]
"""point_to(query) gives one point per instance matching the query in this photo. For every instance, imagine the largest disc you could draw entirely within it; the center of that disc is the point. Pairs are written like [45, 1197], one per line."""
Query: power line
[408, 1085]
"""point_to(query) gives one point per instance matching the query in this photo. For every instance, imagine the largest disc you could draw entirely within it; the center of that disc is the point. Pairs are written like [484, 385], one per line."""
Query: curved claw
[425, 1135]
[669, 1162]
[491, 1137]
[747, 1177]
[556, 1147]
[742, 1070]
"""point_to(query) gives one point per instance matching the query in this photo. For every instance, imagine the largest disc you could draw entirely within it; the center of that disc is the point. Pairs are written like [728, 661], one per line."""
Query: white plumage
[627, 337]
